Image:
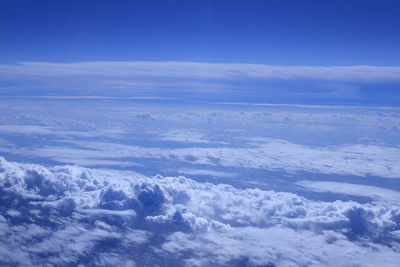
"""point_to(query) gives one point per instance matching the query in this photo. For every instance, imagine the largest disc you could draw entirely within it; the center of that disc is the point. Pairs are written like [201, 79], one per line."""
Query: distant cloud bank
[204, 81]
[199, 70]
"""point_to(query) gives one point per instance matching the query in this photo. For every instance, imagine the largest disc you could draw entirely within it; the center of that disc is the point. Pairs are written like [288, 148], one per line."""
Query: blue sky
[265, 32]
[273, 33]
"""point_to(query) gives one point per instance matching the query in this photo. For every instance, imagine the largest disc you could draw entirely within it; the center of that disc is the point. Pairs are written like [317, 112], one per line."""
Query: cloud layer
[68, 215]
[203, 70]
[205, 81]
[272, 154]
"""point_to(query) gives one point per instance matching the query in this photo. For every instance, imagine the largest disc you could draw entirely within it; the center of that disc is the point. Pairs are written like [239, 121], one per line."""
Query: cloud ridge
[68, 215]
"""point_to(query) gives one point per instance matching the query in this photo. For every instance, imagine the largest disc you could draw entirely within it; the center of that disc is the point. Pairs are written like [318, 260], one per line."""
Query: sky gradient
[264, 32]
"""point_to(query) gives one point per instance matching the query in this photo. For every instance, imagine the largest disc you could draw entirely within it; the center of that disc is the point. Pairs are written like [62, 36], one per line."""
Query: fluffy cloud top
[68, 215]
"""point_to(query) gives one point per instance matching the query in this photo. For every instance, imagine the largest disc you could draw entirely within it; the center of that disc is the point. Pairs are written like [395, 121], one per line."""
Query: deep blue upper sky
[267, 32]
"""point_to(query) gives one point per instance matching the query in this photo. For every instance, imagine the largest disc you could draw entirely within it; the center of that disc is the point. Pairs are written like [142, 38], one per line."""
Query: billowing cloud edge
[71, 215]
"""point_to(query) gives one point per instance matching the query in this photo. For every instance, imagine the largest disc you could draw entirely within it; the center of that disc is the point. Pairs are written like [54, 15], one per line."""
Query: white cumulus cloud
[68, 215]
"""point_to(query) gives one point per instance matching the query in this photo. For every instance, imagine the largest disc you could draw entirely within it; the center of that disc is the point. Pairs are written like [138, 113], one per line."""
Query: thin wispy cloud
[205, 81]
[199, 70]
